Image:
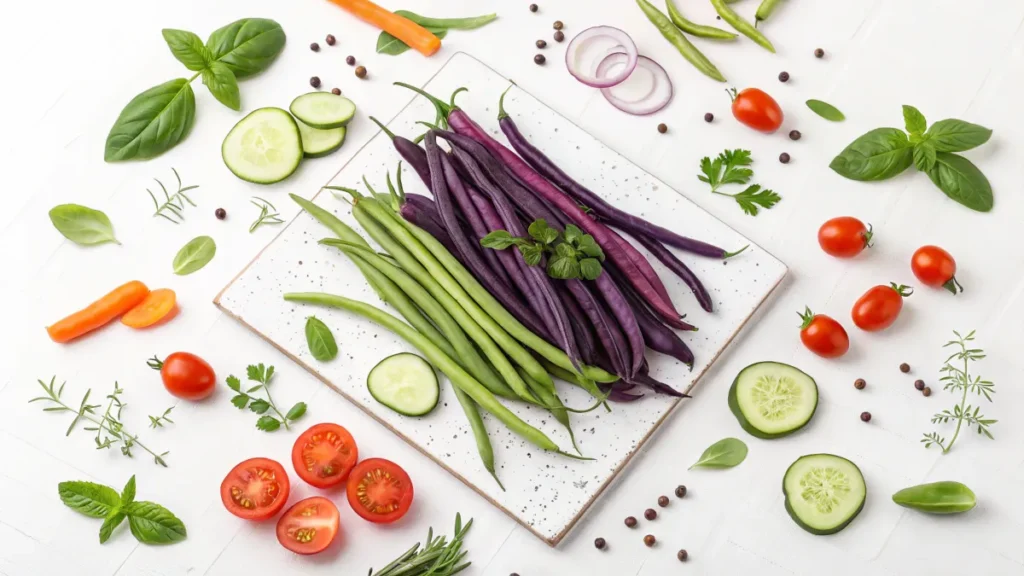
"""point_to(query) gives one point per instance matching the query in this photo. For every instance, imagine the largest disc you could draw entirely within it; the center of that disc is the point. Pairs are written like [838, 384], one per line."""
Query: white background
[69, 67]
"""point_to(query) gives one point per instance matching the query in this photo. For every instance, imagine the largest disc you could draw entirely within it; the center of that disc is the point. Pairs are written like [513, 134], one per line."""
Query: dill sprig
[266, 216]
[174, 204]
[960, 380]
[109, 429]
[438, 558]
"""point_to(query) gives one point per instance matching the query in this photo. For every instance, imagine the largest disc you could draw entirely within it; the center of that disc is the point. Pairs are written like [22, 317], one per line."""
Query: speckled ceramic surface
[545, 492]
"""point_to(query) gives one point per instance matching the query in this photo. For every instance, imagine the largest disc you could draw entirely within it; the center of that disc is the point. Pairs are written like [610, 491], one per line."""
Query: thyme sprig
[265, 217]
[159, 421]
[174, 204]
[959, 379]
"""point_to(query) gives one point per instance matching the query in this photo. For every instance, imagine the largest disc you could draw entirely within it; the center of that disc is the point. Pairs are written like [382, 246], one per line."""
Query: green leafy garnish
[725, 453]
[150, 523]
[753, 197]
[438, 557]
[320, 340]
[159, 421]
[958, 379]
[266, 217]
[194, 255]
[572, 254]
[728, 168]
[174, 204]
[82, 225]
[262, 375]
[826, 110]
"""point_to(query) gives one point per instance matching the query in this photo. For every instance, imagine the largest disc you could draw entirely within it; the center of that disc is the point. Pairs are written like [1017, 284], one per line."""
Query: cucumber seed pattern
[775, 397]
[824, 488]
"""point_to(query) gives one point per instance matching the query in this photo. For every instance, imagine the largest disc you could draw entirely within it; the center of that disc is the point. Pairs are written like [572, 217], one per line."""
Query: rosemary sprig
[262, 375]
[174, 204]
[438, 558]
[109, 429]
[960, 380]
[158, 421]
[265, 217]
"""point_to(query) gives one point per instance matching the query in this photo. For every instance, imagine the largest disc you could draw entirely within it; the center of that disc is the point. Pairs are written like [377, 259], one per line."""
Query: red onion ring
[615, 61]
[621, 43]
[654, 99]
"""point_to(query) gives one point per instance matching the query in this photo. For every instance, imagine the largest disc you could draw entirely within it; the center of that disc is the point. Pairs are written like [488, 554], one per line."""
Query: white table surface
[69, 67]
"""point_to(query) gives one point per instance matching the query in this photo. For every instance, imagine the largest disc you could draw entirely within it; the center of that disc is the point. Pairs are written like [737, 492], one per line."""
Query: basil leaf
[222, 84]
[573, 234]
[924, 156]
[914, 120]
[151, 523]
[388, 44]
[498, 240]
[538, 229]
[152, 123]
[878, 155]
[89, 498]
[725, 453]
[532, 253]
[188, 49]
[247, 46]
[296, 412]
[320, 340]
[128, 493]
[194, 255]
[590, 268]
[82, 225]
[563, 268]
[268, 423]
[962, 181]
[826, 110]
[957, 135]
[109, 523]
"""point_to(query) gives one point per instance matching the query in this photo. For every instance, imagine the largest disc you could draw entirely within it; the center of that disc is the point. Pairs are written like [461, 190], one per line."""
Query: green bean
[698, 30]
[456, 374]
[678, 39]
[765, 10]
[557, 408]
[563, 374]
[937, 498]
[448, 23]
[741, 25]
[476, 423]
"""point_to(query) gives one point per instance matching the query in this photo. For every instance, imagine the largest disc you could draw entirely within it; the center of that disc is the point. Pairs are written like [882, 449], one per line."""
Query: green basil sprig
[572, 255]
[886, 152]
[149, 522]
[320, 340]
[159, 118]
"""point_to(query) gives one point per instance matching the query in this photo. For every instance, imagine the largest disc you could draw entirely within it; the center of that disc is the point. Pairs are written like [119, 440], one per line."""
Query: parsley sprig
[731, 167]
[262, 375]
[573, 254]
[960, 380]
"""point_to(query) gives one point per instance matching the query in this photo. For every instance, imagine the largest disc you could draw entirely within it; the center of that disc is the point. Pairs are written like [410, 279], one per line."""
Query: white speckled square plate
[546, 493]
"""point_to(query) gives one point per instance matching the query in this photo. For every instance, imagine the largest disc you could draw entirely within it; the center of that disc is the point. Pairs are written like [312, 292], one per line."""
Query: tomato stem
[867, 236]
[806, 316]
[901, 289]
[732, 93]
[953, 286]
[155, 363]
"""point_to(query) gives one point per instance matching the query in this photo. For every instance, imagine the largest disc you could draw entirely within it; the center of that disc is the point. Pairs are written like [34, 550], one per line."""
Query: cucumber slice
[317, 143]
[772, 400]
[405, 383]
[264, 147]
[323, 110]
[824, 492]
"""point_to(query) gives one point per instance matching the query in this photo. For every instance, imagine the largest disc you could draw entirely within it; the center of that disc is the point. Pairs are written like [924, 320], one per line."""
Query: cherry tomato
[822, 335]
[879, 307]
[324, 455]
[309, 526]
[757, 110]
[185, 375]
[379, 491]
[256, 489]
[934, 267]
[844, 237]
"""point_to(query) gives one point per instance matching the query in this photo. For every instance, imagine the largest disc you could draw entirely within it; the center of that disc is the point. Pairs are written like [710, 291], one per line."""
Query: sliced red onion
[591, 46]
[647, 90]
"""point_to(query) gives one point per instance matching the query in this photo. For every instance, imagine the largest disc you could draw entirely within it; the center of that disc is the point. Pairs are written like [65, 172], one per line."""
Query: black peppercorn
[533, 7]
[865, 416]
[630, 522]
[650, 514]
[859, 383]
[709, 117]
[336, 91]
[662, 128]
[904, 367]
[220, 213]
[783, 76]
[599, 543]
[663, 501]
[784, 158]
[927, 391]
[819, 53]
[794, 134]
[539, 59]
[360, 71]
[919, 384]
[650, 540]
[559, 36]
[314, 47]
[680, 491]
[331, 40]
[314, 81]
[350, 60]
[558, 25]
[541, 44]
[683, 555]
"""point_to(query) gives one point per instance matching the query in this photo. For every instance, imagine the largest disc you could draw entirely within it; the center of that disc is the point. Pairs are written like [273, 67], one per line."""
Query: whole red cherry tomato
[756, 109]
[844, 237]
[879, 307]
[934, 267]
[822, 335]
[185, 375]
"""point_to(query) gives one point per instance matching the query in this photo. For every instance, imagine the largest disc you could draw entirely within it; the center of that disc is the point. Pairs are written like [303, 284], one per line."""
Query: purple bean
[676, 265]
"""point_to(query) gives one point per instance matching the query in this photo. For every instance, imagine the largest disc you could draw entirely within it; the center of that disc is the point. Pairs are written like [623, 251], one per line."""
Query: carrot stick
[120, 300]
[406, 30]
[157, 305]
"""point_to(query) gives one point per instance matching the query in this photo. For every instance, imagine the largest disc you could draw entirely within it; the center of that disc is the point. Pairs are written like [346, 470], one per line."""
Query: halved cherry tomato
[934, 267]
[844, 237]
[309, 526]
[324, 455]
[157, 305]
[756, 109]
[256, 489]
[879, 307]
[185, 375]
[379, 490]
[822, 335]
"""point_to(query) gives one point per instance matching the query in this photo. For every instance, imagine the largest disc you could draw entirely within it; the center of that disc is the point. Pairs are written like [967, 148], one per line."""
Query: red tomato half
[186, 375]
[309, 526]
[934, 267]
[256, 489]
[324, 455]
[879, 307]
[379, 490]
[756, 109]
[822, 335]
[844, 237]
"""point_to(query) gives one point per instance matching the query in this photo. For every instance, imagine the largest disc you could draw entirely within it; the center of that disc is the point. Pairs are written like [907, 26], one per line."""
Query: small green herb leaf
[89, 498]
[247, 46]
[728, 168]
[320, 340]
[151, 523]
[877, 155]
[532, 254]
[957, 135]
[563, 267]
[924, 156]
[240, 401]
[82, 225]
[499, 240]
[111, 522]
[753, 197]
[541, 232]
[234, 383]
[826, 110]
[128, 493]
[725, 453]
[573, 234]
[296, 412]
[194, 255]
[188, 49]
[259, 406]
[590, 247]
[268, 423]
[914, 120]
[222, 84]
[590, 268]
[961, 180]
[152, 123]
[388, 44]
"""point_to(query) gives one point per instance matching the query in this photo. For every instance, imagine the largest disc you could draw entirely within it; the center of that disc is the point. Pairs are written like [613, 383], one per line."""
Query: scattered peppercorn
[794, 134]
[599, 543]
[650, 540]
[314, 81]
[220, 213]
[559, 36]
[819, 53]
[784, 158]
[709, 117]
[539, 59]
[919, 384]
[533, 7]
[360, 71]
[859, 383]
[927, 391]
[663, 501]
[350, 60]
[662, 128]
[650, 514]
[680, 491]
[558, 25]
[683, 555]
[336, 91]
[314, 47]
[904, 367]
[865, 416]
[331, 40]
[783, 76]
[630, 522]
[542, 44]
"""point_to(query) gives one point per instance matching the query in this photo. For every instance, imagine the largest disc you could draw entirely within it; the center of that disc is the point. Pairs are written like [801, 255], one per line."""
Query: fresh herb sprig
[731, 167]
[959, 379]
[109, 429]
[159, 421]
[572, 254]
[174, 204]
[438, 558]
[266, 217]
[262, 375]
[149, 522]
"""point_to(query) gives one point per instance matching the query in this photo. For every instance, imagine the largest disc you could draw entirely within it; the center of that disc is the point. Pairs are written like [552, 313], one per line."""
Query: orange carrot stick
[154, 308]
[120, 300]
[406, 30]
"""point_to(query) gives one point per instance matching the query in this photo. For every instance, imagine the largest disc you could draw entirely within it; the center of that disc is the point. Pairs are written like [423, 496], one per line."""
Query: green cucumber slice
[317, 143]
[323, 110]
[824, 493]
[772, 400]
[264, 147]
[405, 383]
